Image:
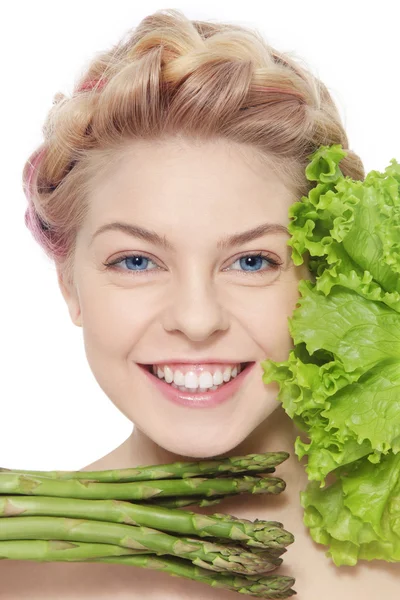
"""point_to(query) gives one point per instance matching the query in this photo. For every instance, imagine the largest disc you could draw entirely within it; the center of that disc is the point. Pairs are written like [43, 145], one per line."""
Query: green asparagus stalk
[256, 463]
[261, 534]
[206, 554]
[85, 516]
[13, 483]
[260, 586]
[264, 586]
[180, 502]
[63, 551]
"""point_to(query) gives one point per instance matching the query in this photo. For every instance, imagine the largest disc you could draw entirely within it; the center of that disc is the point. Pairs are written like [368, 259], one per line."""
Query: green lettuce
[341, 382]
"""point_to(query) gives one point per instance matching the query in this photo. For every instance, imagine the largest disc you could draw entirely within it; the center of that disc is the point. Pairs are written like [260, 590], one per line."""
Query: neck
[276, 433]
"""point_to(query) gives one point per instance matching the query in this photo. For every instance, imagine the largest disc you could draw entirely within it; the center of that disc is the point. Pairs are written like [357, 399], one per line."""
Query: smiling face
[193, 298]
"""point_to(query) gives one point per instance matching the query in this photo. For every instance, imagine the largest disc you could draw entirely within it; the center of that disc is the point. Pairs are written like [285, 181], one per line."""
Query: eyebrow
[229, 241]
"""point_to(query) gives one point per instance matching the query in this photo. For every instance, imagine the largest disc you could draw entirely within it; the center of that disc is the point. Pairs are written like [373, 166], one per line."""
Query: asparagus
[203, 553]
[15, 483]
[256, 463]
[180, 502]
[63, 551]
[261, 534]
[261, 586]
[267, 586]
[81, 509]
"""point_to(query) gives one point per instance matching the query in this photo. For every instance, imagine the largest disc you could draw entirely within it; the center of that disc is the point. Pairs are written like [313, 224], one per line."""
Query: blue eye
[251, 261]
[254, 262]
[136, 261]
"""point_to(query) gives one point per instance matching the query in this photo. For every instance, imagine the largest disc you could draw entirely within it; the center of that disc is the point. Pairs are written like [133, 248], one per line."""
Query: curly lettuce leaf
[358, 516]
[341, 382]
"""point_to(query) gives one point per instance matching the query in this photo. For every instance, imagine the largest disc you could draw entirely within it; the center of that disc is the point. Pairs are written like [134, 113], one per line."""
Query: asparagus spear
[267, 586]
[207, 554]
[179, 502]
[100, 484]
[260, 586]
[261, 534]
[63, 551]
[15, 483]
[256, 463]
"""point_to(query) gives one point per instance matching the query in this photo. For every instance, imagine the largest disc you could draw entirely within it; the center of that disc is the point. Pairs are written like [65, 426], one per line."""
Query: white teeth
[169, 376]
[218, 378]
[190, 381]
[182, 388]
[227, 374]
[205, 380]
[179, 378]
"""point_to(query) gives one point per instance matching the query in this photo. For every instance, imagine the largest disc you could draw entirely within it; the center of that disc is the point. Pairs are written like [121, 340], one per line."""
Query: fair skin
[201, 301]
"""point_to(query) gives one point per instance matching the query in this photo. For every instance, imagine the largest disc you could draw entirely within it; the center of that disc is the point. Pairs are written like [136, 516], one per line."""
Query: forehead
[187, 175]
[201, 198]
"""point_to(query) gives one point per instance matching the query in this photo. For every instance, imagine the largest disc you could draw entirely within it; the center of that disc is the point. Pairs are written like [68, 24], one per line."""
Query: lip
[197, 361]
[203, 399]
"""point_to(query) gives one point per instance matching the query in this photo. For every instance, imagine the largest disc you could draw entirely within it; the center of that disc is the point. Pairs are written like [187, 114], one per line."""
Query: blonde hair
[173, 78]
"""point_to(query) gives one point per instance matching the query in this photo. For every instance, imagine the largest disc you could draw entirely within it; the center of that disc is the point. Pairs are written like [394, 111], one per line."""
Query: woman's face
[195, 298]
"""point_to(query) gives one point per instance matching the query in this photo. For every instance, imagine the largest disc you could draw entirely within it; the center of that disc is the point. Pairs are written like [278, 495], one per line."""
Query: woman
[162, 192]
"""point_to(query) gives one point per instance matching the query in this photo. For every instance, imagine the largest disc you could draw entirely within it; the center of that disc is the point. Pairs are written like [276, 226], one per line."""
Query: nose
[195, 310]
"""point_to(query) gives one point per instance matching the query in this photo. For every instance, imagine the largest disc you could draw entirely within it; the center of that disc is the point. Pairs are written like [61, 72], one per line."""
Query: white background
[53, 413]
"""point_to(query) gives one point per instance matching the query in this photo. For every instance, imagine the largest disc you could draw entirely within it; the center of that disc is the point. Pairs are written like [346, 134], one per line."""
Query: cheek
[269, 322]
[113, 320]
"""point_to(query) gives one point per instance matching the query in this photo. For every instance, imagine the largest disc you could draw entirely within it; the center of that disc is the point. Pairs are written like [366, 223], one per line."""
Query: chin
[191, 450]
